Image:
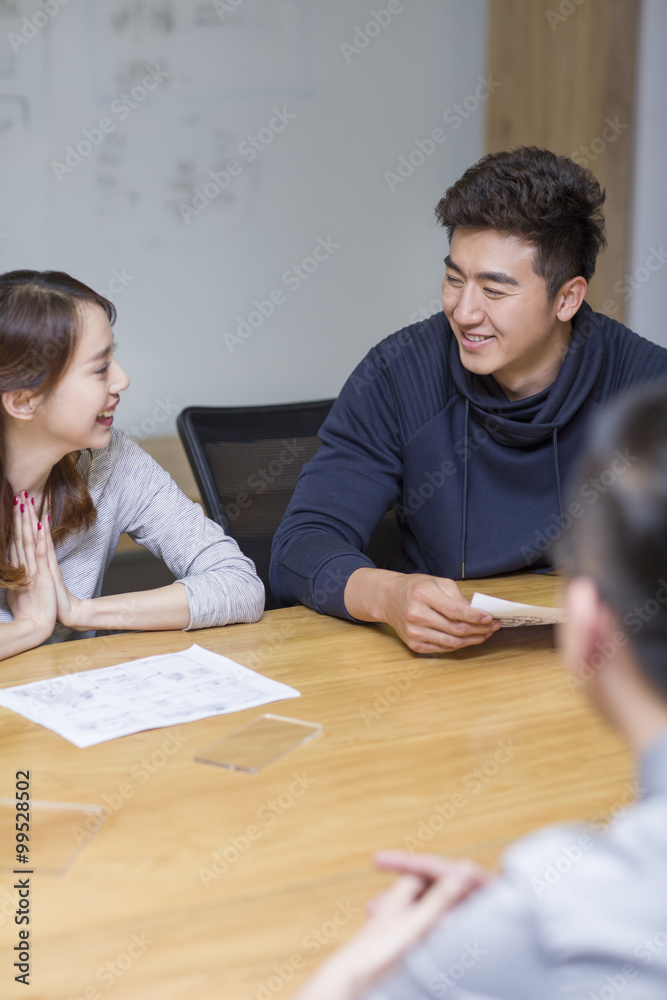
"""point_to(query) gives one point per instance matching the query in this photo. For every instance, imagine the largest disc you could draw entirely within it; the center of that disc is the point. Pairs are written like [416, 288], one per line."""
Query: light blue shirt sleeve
[579, 913]
[485, 949]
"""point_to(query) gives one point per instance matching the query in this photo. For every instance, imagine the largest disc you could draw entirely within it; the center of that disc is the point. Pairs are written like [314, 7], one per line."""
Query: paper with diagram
[170, 689]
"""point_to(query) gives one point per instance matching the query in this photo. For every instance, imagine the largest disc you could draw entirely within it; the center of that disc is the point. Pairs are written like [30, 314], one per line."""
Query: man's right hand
[429, 613]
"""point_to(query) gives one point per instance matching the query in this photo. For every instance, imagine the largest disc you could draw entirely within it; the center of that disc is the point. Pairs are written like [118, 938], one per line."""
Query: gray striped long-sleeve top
[133, 494]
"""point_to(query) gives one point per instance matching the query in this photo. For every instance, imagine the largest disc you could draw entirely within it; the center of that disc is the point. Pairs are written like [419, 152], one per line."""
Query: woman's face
[78, 412]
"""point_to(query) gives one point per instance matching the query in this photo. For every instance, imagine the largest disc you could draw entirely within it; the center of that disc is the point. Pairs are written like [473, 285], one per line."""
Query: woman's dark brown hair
[40, 316]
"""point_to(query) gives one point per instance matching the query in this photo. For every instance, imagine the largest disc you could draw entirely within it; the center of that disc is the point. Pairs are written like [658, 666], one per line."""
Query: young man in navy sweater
[468, 423]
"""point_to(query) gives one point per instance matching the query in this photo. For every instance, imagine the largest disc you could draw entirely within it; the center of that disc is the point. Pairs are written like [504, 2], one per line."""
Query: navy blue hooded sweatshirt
[477, 481]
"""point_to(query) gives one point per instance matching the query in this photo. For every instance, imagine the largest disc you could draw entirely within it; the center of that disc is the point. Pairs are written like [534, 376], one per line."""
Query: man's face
[498, 309]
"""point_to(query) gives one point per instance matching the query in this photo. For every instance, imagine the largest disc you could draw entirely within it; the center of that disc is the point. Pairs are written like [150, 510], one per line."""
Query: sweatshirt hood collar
[528, 421]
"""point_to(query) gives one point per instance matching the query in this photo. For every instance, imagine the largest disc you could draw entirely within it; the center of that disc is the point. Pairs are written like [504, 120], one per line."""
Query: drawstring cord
[464, 502]
[557, 468]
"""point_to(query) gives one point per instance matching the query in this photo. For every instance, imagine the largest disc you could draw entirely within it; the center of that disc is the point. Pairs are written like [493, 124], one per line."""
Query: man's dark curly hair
[545, 199]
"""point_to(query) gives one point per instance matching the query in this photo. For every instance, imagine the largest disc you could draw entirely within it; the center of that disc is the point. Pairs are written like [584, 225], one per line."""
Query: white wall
[322, 178]
[644, 285]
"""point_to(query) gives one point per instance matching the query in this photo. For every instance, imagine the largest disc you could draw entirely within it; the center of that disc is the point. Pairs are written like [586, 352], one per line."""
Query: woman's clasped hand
[44, 599]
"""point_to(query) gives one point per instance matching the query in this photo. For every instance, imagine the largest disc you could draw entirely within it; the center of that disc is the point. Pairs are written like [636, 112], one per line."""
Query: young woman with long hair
[70, 485]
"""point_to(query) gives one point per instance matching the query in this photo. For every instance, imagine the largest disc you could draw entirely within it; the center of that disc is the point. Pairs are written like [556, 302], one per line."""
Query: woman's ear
[20, 404]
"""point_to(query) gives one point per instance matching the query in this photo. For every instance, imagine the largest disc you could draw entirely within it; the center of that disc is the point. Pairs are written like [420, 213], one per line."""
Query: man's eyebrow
[499, 277]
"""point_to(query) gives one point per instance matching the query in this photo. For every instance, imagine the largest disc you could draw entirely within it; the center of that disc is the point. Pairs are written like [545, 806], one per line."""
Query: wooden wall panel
[567, 73]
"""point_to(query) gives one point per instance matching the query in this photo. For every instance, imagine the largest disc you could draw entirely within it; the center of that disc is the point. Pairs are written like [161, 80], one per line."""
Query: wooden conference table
[457, 753]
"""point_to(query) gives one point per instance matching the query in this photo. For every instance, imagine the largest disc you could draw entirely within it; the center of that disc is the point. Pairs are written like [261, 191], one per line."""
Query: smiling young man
[468, 423]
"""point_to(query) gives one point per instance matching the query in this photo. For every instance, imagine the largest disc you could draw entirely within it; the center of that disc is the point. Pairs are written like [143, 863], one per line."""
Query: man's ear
[569, 298]
[20, 404]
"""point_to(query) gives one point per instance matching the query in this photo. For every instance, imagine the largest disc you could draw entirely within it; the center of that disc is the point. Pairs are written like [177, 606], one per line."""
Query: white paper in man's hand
[512, 614]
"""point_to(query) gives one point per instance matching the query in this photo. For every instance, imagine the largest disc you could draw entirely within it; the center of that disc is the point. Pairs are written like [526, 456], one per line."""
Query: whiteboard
[252, 182]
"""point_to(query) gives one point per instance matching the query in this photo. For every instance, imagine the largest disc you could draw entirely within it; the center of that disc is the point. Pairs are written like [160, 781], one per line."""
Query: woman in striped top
[70, 485]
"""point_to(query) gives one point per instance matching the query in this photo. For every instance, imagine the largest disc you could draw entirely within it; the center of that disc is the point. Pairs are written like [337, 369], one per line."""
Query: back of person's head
[620, 540]
[40, 319]
[544, 199]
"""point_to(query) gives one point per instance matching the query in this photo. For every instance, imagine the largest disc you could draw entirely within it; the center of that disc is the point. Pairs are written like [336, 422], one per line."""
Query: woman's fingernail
[25, 494]
[39, 525]
[16, 501]
[22, 509]
[32, 501]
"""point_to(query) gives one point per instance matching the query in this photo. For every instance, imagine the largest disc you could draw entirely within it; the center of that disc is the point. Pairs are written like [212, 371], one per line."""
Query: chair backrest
[246, 461]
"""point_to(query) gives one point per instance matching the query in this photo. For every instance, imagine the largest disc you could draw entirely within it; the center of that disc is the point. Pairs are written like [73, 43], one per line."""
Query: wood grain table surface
[201, 882]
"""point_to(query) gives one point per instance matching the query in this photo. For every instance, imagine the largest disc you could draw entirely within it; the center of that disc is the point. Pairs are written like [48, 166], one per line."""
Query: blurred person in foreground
[574, 913]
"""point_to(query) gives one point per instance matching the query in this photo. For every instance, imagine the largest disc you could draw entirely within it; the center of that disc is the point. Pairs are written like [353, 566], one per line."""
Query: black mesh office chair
[246, 461]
